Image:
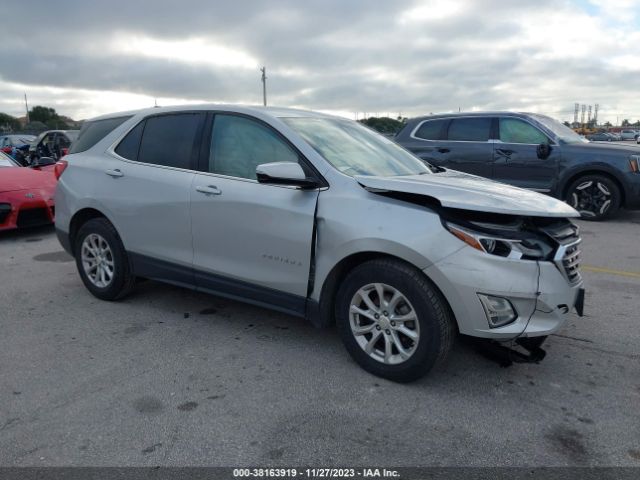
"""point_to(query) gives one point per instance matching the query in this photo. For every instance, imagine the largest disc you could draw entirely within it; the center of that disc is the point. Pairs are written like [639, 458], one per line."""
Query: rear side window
[129, 146]
[92, 132]
[477, 129]
[430, 130]
[169, 139]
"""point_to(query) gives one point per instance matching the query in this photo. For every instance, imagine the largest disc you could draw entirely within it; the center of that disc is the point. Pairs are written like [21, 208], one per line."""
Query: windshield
[6, 161]
[564, 133]
[354, 149]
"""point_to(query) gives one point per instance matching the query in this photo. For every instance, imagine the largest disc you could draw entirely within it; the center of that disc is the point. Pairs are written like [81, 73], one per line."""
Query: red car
[26, 194]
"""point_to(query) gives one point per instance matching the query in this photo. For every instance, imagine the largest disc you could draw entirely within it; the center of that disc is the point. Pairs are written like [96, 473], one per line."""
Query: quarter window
[92, 132]
[169, 139]
[430, 130]
[130, 144]
[239, 145]
[473, 129]
[513, 130]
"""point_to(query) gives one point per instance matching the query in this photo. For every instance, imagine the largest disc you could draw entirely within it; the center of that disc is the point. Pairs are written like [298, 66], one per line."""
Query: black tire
[436, 325]
[591, 200]
[122, 281]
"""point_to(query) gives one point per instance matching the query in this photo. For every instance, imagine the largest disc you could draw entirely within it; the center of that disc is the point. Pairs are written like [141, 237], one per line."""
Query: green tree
[48, 116]
[625, 122]
[384, 125]
[608, 124]
[9, 123]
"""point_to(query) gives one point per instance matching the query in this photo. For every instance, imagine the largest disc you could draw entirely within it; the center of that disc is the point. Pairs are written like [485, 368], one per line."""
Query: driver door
[516, 160]
[250, 239]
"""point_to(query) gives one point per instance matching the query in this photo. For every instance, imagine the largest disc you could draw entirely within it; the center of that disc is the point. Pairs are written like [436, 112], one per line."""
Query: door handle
[504, 152]
[209, 190]
[443, 150]
[114, 173]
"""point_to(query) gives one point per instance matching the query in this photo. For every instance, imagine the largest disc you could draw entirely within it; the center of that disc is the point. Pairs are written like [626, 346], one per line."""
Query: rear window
[476, 129]
[169, 139]
[92, 132]
[430, 130]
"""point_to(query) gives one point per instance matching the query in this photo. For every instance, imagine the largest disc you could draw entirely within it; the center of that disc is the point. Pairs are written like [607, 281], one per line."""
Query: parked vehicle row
[320, 217]
[531, 151]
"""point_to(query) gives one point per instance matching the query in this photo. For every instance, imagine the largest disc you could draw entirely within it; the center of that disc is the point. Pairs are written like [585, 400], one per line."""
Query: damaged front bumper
[539, 292]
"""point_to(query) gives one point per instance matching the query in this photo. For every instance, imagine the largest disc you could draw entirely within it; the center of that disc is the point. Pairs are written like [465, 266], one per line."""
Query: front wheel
[393, 321]
[595, 197]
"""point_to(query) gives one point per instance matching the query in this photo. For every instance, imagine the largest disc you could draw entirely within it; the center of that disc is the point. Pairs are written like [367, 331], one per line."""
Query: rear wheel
[102, 260]
[596, 197]
[393, 321]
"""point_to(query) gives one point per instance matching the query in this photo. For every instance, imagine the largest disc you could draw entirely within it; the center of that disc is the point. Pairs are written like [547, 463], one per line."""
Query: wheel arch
[325, 314]
[79, 218]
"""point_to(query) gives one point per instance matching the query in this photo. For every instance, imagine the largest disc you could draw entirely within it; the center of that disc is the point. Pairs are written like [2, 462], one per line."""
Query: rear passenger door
[426, 141]
[468, 147]
[516, 159]
[147, 185]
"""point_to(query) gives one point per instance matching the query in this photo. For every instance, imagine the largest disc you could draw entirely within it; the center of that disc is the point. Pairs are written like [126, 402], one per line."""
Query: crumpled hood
[455, 189]
[23, 178]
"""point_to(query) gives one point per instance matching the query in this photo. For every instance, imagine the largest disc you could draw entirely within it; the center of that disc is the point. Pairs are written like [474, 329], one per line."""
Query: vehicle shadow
[30, 234]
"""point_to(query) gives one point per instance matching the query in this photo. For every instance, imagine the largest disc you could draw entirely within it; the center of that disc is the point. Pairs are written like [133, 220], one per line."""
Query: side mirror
[543, 150]
[43, 162]
[285, 173]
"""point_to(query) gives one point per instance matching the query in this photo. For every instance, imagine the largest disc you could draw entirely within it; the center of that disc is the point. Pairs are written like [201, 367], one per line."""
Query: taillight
[60, 167]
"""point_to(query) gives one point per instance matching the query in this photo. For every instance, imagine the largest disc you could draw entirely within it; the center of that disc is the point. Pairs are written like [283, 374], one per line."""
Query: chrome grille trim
[567, 259]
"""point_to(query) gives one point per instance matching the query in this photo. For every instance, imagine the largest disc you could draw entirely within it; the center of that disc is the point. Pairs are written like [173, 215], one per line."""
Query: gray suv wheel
[393, 321]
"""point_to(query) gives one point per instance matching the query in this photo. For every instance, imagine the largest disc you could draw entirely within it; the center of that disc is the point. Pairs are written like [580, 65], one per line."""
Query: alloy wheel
[384, 323]
[591, 198]
[97, 260]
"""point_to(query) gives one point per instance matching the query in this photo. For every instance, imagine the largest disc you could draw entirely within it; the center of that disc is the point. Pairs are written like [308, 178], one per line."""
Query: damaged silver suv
[321, 218]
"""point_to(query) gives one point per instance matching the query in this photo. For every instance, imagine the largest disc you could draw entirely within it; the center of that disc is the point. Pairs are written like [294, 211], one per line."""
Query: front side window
[354, 149]
[169, 140]
[239, 145]
[430, 130]
[472, 129]
[514, 130]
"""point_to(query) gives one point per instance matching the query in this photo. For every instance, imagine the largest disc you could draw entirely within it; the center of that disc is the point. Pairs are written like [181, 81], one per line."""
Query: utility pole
[26, 106]
[264, 85]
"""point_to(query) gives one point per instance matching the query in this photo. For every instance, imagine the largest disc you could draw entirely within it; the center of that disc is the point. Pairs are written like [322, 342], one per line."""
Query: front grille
[32, 217]
[571, 262]
[567, 257]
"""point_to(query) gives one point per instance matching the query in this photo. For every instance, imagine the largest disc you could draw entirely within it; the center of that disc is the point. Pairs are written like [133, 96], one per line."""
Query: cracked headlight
[528, 249]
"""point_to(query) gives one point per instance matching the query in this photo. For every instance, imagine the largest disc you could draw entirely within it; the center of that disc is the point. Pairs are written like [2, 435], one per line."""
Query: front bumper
[26, 208]
[542, 305]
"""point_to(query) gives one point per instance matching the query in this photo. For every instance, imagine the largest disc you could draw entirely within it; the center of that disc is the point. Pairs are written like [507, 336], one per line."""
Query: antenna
[26, 106]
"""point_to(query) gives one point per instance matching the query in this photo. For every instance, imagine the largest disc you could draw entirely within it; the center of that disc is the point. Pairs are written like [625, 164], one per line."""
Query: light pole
[264, 85]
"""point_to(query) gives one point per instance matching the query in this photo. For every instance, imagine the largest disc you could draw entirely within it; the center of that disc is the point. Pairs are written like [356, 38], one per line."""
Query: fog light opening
[499, 310]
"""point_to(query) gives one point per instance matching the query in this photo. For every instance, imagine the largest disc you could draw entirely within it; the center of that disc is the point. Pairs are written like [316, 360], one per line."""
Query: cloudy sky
[86, 58]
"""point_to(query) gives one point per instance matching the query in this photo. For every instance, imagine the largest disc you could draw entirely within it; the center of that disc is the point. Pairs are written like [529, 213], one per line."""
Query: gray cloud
[333, 55]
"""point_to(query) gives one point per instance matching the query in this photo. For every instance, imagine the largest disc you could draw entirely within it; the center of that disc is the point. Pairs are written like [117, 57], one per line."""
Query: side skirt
[198, 280]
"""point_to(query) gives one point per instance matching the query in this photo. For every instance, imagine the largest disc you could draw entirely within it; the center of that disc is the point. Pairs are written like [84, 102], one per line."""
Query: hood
[608, 148]
[468, 192]
[23, 178]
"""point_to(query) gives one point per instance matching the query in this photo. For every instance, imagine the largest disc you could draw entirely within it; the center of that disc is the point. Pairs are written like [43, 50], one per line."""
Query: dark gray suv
[531, 151]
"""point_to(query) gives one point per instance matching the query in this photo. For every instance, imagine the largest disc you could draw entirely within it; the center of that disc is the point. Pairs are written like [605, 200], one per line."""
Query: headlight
[634, 163]
[529, 249]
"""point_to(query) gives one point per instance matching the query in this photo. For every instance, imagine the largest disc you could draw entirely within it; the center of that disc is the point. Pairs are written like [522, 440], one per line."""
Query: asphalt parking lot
[173, 377]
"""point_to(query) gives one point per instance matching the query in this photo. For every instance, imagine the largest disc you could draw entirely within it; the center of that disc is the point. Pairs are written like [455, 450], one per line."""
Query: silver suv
[321, 218]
